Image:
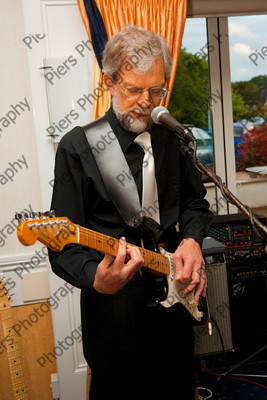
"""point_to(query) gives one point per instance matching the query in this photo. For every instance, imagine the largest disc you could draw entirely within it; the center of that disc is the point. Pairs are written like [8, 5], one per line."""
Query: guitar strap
[111, 162]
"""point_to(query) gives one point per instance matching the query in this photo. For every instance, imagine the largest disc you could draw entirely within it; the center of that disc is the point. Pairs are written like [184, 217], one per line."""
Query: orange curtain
[164, 17]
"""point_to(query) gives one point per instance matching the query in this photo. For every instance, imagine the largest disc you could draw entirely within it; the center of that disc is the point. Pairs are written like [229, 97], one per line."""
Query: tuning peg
[19, 217]
[33, 215]
[49, 214]
[26, 216]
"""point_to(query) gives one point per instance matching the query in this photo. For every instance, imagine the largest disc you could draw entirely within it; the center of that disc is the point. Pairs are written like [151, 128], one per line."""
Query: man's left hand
[190, 267]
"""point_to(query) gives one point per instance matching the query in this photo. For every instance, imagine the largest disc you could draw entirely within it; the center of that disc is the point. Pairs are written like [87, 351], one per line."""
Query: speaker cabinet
[250, 307]
[247, 269]
[219, 301]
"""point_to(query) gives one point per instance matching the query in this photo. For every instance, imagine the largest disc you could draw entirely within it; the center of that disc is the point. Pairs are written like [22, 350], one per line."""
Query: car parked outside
[205, 141]
[204, 144]
[240, 129]
[257, 120]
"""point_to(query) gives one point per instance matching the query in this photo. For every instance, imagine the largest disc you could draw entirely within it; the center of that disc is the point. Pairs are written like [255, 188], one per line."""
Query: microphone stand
[185, 136]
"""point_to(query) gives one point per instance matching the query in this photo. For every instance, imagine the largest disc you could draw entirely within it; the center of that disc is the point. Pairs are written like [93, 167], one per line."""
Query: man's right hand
[113, 273]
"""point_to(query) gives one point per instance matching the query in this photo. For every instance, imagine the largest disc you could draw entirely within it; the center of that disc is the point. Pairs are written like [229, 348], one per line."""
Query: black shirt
[79, 194]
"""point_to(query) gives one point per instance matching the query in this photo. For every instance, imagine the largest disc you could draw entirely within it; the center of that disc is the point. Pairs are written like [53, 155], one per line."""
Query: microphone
[160, 115]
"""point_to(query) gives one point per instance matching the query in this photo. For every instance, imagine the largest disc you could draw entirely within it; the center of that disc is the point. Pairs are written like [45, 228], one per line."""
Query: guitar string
[149, 254]
[161, 259]
[99, 236]
[16, 354]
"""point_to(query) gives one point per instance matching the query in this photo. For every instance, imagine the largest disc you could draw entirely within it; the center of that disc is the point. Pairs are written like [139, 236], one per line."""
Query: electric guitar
[19, 387]
[56, 233]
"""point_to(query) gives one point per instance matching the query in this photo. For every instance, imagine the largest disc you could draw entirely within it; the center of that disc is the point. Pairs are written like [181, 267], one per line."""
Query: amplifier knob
[256, 253]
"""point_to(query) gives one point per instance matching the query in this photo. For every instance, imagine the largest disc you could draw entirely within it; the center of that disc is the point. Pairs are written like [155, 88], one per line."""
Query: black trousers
[136, 351]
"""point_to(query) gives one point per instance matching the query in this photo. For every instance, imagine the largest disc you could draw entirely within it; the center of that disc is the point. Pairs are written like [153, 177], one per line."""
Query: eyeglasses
[133, 92]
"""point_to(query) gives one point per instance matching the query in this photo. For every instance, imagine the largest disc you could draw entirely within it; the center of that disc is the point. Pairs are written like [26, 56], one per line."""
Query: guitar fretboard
[20, 390]
[156, 262]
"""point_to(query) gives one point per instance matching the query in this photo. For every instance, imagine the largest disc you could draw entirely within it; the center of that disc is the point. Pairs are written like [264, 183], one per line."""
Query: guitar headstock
[54, 232]
[5, 297]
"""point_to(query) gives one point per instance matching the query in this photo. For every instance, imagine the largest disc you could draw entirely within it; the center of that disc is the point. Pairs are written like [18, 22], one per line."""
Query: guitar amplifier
[244, 246]
[219, 301]
[247, 265]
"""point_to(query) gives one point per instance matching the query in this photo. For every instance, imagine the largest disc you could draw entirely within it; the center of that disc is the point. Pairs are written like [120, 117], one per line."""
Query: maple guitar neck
[155, 262]
[20, 389]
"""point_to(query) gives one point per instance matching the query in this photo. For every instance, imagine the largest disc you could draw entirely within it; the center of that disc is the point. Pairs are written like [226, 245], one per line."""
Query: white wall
[19, 175]
[19, 183]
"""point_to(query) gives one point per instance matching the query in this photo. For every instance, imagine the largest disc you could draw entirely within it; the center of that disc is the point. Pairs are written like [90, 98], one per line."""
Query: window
[191, 99]
[221, 89]
[248, 61]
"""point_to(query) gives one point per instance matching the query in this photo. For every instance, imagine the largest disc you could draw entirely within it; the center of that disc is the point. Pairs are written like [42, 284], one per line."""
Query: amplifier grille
[220, 306]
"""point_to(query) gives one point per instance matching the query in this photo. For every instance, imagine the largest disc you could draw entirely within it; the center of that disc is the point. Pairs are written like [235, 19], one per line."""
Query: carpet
[234, 387]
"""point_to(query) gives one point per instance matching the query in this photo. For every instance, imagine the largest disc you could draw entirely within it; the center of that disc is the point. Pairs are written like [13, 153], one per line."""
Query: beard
[127, 121]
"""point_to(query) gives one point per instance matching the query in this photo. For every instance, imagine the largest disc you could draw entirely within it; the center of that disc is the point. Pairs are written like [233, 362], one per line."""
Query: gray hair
[135, 47]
